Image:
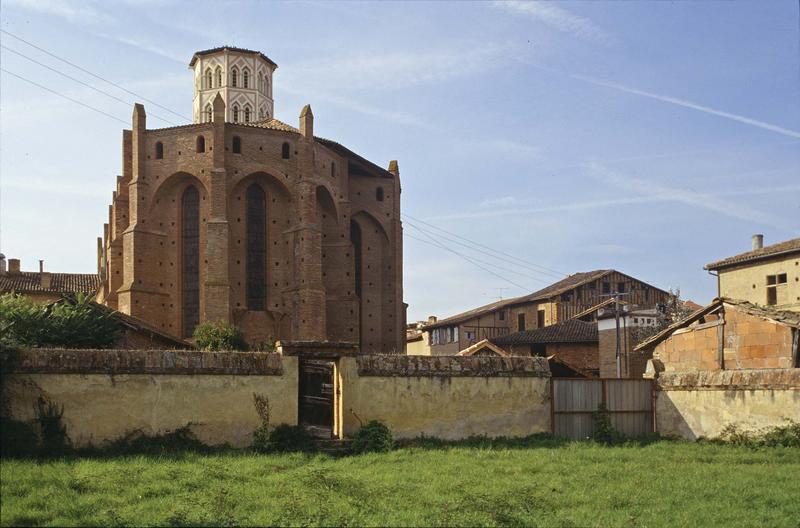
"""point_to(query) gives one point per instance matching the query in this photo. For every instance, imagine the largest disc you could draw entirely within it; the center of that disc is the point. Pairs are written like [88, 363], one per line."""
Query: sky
[534, 140]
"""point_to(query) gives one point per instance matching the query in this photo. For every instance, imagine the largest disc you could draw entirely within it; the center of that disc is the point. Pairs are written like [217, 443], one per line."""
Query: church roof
[31, 282]
[229, 48]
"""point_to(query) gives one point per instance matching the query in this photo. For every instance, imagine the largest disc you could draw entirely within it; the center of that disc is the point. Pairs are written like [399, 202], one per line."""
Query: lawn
[538, 484]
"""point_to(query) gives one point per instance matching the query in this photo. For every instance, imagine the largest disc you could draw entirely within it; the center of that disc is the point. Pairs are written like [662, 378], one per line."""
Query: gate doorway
[317, 397]
[629, 402]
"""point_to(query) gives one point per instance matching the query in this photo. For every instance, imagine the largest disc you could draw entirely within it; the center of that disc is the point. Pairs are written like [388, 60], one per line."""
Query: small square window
[782, 278]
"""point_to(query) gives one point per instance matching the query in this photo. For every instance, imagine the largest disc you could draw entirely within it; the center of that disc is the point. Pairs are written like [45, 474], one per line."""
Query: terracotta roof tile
[572, 331]
[230, 48]
[31, 281]
[787, 246]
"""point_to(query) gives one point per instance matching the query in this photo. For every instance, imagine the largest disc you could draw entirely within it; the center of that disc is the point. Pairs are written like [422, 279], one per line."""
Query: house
[417, 341]
[728, 334]
[766, 275]
[576, 295]
[625, 327]
[571, 347]
[484, 348]
[43, 286]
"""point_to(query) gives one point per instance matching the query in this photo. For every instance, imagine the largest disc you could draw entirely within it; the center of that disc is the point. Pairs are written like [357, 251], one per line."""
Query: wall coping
[453, 366]
[109, 361]
[746, 379]
[317, 349]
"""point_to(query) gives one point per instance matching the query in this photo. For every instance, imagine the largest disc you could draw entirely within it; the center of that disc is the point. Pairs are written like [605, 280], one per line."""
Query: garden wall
[701, 403]
[107, 394]
[449, 397]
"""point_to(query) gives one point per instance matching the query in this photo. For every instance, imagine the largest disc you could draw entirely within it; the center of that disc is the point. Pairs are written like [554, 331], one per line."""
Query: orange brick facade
[330, 218]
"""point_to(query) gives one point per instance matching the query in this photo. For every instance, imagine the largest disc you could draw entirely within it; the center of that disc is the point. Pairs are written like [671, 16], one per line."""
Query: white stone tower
[242, 77]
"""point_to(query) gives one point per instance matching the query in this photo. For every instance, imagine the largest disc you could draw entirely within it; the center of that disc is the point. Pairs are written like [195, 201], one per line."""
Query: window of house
[246, 114]
[566, 297]
[159, 150]
[219, 77]
[235, 113]
[620, 287]
[333, 170]
[606, 287]
[234, 77]
[237, 145]
[209, 114]
[469, 335]
[521, 322]
[208, 79]
[773, 283]
[246, 79]
[379, 194]
[540, 319]
[285, 151]
[501, 315]
[539, 350]
[201, 144]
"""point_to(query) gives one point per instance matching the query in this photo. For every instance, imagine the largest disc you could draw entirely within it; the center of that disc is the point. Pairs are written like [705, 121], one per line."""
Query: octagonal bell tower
[242, 77]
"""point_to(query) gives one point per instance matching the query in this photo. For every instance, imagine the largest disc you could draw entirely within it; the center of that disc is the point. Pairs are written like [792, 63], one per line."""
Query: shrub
[787, 435]
[18, 439]
[72, 323]
[261, 434]
[603, 430]
[287, 438]
[263, 346]
[53, 432]
[374, 437]
[137, 442]
[219, 336]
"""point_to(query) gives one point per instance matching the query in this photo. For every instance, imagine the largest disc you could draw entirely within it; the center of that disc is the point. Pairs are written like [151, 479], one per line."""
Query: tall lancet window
[355, 238]
[234, 77]
[219, 77]
[208, 79]
[190, 260]
[245, 78]
[256, 262]
[209, 114]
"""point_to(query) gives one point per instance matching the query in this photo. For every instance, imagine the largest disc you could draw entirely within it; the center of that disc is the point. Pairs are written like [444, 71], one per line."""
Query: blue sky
[647, 137]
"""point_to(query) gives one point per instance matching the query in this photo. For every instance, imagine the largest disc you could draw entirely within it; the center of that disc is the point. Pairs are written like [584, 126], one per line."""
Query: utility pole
[616, 296]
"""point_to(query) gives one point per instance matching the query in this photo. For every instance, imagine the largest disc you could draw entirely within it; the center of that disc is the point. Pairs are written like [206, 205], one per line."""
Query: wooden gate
[629, 401]
[316, 397]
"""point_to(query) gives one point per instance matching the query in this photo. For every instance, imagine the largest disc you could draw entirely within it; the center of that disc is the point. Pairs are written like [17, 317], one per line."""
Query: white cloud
[558, 18]
[70, 11]
[689, 104]
[503, 201]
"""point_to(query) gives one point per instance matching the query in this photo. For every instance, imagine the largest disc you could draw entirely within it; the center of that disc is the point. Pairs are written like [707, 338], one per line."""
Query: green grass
[538, 483]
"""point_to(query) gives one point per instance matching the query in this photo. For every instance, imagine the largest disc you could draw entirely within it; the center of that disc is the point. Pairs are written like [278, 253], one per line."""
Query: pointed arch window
[237, 145]
[285, 151]
[235, 113]
[355, 238]
[246, 114]
[190, 260]
[234, 77]
[256, 261]
[266, 85]
[219, 77]
[333, 169]
[208, 79]
[245, 78]
[209, 113]
[159, 150]
[201, 144]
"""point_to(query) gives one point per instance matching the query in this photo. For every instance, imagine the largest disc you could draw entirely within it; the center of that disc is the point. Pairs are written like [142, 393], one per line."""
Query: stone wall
[107, 394]
[691, 405]
[447, 397]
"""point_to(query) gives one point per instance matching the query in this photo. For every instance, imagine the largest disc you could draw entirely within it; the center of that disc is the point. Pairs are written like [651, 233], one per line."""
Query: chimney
[431, 319]
[307, 122]
[13, 265]
[758, 241]
[41, 266]
[2, 264]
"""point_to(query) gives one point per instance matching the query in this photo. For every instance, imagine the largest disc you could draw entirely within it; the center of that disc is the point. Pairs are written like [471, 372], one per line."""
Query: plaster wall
[749, 282]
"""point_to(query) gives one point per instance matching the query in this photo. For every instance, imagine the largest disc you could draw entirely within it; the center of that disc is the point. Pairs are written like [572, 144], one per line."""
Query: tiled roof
[272, 124]
[347, 153]
[481, 345]
[787, 246]
[572, 331]
[779, 316]
[229, 48]
[31, 282]
[556, 288]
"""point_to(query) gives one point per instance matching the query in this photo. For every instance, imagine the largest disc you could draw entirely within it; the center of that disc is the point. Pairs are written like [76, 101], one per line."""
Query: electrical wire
[84, 70]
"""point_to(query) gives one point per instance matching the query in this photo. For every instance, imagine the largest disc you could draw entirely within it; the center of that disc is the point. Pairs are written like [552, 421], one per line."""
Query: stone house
[571, 347]
[43, 286]
[241, 218]
[576, 296]
[728, 334]
[766, 275]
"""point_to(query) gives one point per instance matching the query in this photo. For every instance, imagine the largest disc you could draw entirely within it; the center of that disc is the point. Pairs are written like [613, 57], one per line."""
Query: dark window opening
[333, 170]
[620, 287]
[190, 259]
[355, 238]
[285, 151]
[521, 322]
[201, 144]
[159, 150]
[256, 263]
[606, 287]
[540, 319]
[501, 315]
[237, 145]
[539, 350]
[379, 194]
[566, 297]
[772, 296]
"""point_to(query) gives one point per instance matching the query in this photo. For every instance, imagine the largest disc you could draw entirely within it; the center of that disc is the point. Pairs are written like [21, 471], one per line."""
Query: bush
[17, 439]
[285, 438]
[72, 323]
[53, 432]
[374, 437]
[137, 442]
[219, 336]
[603, 430]
[787, 435]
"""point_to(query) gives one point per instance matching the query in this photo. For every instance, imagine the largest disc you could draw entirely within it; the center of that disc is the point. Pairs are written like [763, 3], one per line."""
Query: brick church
[241, 218]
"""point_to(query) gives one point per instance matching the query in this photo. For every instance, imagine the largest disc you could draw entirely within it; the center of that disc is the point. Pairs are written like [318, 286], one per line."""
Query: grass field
[538, 484]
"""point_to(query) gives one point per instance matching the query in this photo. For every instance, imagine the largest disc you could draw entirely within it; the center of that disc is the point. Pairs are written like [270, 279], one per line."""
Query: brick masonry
[452, 366]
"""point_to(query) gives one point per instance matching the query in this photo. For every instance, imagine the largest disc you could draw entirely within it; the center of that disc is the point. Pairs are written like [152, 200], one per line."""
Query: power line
[112, 96]
[84, 70]
[516, 272]
[519, 260]
[487, 270]
[64, 96]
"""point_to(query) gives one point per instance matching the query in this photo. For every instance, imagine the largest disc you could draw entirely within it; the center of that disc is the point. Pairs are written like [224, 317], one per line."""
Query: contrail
[689, 104]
